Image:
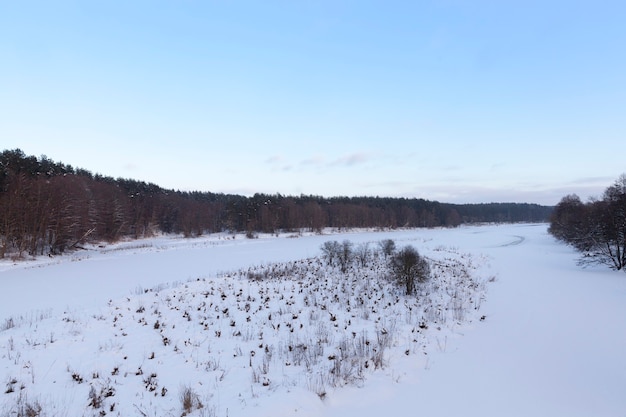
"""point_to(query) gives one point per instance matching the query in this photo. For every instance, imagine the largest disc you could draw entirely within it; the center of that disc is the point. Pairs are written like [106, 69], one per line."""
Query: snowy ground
[548, 341]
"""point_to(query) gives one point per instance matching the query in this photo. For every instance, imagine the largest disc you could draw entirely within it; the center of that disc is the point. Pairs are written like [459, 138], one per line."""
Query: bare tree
[338, 253]
[345, 255]
[362, 254]
[607, 234]
[387, 247]
[330, 251]
[409, 268]
[596, 229]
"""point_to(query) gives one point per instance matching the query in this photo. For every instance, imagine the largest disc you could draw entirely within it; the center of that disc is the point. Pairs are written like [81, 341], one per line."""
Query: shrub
[345, 255]
[362, 254]
[387, 247]
[330, 251]
[189, 400]
[338, 253]
[409, 268]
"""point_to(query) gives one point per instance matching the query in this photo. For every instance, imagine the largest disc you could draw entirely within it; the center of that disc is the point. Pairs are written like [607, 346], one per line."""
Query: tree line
[48, 207]
[597, 228]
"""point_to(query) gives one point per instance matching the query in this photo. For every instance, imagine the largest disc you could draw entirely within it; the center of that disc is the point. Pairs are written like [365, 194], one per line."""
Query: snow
[547, 340]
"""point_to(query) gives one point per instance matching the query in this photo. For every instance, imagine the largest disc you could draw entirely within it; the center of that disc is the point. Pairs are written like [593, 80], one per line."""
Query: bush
[338, 253]
[330, 251]
[345, 255]
[387, 247]
[409, 268]
[362, 254]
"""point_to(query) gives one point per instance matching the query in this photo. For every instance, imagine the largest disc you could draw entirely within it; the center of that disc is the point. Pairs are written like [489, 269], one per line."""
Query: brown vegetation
[597, 229]
[48, 207]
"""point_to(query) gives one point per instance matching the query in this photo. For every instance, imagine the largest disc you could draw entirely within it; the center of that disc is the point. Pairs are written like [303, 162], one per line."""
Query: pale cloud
[315, 160]
[593, 180]
[347, 160]
[497, 166]
[279, 163]
[351, 159]
[275, 159]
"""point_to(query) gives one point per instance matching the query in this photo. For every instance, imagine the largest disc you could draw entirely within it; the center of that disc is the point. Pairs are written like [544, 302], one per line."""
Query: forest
[597, 228]
[49, 207]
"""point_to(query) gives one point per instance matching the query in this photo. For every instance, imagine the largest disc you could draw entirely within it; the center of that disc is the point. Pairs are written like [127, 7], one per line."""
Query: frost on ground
[219, 346]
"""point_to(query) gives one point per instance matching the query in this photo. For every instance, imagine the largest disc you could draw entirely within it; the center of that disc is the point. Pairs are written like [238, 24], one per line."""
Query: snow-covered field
[168, 326]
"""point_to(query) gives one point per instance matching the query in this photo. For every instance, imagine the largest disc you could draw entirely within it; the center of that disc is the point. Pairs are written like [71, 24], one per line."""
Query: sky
[456, 101]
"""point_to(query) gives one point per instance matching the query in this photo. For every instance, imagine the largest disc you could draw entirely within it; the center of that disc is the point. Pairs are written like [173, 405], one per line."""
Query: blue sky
[456, 101]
